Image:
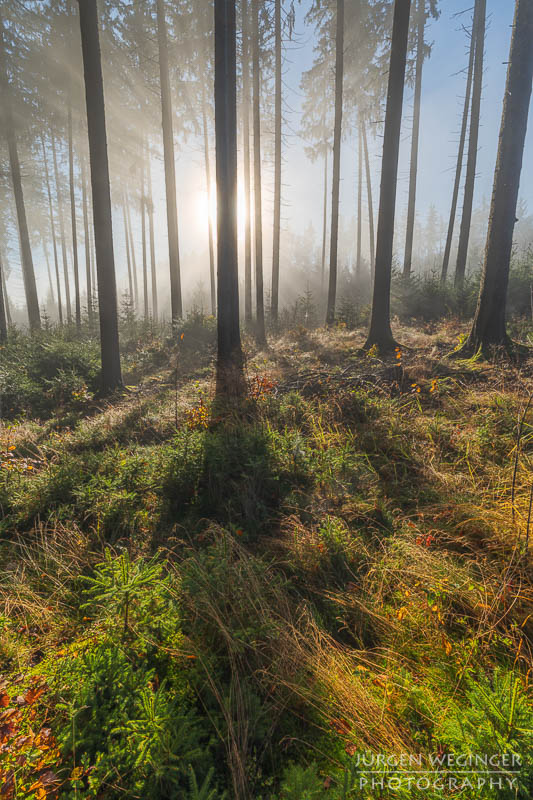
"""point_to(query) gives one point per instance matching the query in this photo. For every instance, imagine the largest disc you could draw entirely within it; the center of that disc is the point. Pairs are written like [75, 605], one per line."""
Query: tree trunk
[49, 273]
[370, 200]
[28, 273]
[461, 153]
[358, 265]
[73, 218]
[133, 257]
[52, 228]
[207, 162]
[61, 228]
[325, 217]
[415, 139]
[3, 316]
[6, 298]
[488, 329]
[88, 276]
[230, 372]
[246, 157]
[153, 265]
[337, 137]
[170, 166]
[274, 300]
[128, 253]
[466, 220]
[142, 210]
[380, 333]
[258, 199]
[103, 224]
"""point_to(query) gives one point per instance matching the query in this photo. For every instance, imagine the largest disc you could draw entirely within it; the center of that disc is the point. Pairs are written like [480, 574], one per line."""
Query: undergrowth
[282, 608]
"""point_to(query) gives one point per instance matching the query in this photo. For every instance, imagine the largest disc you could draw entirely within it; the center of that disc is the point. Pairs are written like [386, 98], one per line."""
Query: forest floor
[191, 606]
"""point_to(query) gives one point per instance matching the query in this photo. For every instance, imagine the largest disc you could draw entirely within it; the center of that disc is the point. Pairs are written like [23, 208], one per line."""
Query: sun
[206, 209]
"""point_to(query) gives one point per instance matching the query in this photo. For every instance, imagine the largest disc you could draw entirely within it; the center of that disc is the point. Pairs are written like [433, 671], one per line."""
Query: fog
[43, 54]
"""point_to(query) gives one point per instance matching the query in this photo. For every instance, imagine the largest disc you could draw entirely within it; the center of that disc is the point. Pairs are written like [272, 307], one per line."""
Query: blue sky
[442, 102]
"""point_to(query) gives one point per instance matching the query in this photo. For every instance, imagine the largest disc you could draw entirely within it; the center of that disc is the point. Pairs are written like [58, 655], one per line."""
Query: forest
[266, 399]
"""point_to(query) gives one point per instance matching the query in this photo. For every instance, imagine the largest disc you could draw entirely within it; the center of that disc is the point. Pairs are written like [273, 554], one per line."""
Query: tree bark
[52, 228]
[380, 333]
[73, 218]
[337, 138]
[230, 371]
[153, 265]
[488, 329]
[170, 166]
[260, 333]
[88, 276]
[6, 298]
[3, 316]
[278, 142]
[415, 139]
[133, 257]
[246, 157]
[142, 210]
[370, 200]
[358, 264]
[325, 217]
[128, 253]
[102, 216]
[461, 153]
[466, 219]
[49, 273]
[207, 162]
[28, 273]
[61, 228]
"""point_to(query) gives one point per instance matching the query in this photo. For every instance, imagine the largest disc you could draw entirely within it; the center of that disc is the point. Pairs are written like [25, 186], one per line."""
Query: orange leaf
[4, 699]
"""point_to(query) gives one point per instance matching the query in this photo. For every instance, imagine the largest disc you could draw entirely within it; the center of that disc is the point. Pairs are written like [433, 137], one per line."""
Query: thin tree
[370, 199]
[461, 153]
[6, 297]
[153, 266]
[260, 333]
[325, 213]
[246, 158]
[488, 329]
[144, 249]
[59, 198]
[380, 333]
[3, 316]
[230, 372]
[28, 273]
[133, 256]
[358, 263]
[53, 230]
[471, 164]
[102, 217]
[170, 165]
[337, 137]
[128, 253]
[210, 232]
[278, 130]
[415, 138]
[75, 263]
[88, 276]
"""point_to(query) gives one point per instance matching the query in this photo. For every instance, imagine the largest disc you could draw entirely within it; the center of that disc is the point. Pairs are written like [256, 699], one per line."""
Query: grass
[190, 608]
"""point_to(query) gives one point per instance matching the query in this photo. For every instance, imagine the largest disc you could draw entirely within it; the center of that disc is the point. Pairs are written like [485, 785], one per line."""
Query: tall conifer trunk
[415, 139]
[471, 164]
[337, 138]
[101, 195]
[380, 334]
[170, 165]
[28, 273]
[258, 195]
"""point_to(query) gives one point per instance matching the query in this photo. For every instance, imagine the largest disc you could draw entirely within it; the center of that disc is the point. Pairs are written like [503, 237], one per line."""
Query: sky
[444, 82]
